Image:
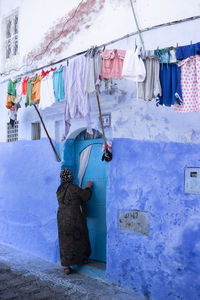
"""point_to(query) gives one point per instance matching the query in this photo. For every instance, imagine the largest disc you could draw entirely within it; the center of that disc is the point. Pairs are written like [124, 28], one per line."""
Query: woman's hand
[89, 184]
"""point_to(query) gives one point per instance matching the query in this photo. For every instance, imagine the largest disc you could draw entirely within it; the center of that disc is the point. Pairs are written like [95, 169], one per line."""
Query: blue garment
[58, 84]
[170, 84]
[163, 55]
[187, 51]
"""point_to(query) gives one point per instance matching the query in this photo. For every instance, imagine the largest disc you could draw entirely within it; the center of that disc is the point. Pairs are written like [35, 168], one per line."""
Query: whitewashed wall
[130, 118]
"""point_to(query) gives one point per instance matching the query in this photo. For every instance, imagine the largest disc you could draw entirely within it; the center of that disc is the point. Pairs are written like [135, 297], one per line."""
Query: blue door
[96, 171]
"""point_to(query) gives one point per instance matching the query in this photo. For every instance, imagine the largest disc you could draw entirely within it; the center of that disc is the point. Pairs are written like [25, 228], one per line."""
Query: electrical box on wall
[192, 180]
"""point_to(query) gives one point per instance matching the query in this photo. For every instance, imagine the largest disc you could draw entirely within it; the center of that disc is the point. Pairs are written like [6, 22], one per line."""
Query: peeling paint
[67, 28]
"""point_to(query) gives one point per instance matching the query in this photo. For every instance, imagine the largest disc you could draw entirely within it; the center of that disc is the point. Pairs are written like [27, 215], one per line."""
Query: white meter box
[192, 180]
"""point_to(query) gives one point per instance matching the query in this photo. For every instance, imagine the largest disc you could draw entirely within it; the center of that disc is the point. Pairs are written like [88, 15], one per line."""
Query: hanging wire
[100, 46]
[137, 25]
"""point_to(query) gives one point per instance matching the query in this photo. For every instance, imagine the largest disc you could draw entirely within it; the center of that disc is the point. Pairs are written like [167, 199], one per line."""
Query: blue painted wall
[29, 177]
[149, 176]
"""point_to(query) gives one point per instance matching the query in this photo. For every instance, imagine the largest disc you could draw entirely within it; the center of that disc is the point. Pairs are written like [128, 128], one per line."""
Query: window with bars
[12, 132]
[11, 47]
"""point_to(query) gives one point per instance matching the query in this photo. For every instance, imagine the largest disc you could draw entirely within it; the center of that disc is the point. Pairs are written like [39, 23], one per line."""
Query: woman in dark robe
[73, 235]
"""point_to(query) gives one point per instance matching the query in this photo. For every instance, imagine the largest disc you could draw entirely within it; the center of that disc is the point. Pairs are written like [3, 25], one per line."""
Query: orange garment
[9, 102]
[24, 85]
[35, 96]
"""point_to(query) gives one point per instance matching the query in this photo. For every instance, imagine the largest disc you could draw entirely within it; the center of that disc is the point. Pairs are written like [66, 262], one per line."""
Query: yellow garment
[35, 96]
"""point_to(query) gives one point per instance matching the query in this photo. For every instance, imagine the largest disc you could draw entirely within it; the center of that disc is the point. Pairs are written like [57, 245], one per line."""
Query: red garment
[44, 73]
[24, 85]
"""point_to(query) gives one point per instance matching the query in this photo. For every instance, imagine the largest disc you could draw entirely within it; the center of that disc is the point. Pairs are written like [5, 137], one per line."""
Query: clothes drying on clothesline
[170, 76]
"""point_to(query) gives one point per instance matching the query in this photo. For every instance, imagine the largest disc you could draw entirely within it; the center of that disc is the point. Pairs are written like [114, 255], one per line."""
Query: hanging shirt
[30, 84]
[150, 88]
[12, 86]
[93, 73]
[190, 84]
[35, 95]
[133, 67]
[170, 84]
[184, 52]
[58, 84]
[24, 85]
[77, 100]
[47, 97]
[112, 63]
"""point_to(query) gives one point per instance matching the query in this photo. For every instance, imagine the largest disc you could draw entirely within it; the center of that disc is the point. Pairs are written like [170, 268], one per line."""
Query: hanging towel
[94, 73]
[77, 100]
[47, 97]
[84, 158]
[133, 67]
[58, 84]
[150, 88]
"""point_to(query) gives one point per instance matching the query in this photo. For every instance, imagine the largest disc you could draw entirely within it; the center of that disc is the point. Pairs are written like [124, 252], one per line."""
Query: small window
[11, 36]
[35, 131]
[12, 132]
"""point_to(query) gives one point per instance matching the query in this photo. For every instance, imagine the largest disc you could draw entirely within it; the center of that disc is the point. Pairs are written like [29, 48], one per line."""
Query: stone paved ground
[27, 277]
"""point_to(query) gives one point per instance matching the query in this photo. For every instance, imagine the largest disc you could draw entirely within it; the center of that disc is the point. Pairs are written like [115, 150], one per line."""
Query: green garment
[30, 84]
[12, 86]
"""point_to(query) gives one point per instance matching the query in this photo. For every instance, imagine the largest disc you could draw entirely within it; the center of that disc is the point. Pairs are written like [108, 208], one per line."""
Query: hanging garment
[30, 84]
[13, 113]
[150, 88]
[84, 158]
[18, 97]
[58, 84]
[12, 86]
[163, 55]
[47, 97]
[94, 73]
[172, 56]
[190, 84]
[77, 100]
[35, 95]
[170, 84]
[133, 67]
[24, 85]
[112, 64]
[9, 102]
[184, 52]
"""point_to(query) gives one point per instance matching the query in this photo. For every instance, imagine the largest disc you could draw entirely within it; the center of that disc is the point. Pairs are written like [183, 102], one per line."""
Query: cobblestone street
[25, 277]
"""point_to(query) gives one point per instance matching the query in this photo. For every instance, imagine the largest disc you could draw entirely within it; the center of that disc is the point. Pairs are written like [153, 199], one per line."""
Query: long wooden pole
[58, 158]
[101, 120]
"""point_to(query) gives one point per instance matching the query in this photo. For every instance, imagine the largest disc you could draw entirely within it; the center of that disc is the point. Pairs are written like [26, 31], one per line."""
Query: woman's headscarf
[66, 176]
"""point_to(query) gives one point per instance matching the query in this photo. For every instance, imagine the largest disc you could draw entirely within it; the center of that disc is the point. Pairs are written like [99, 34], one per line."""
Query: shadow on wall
[29, 178]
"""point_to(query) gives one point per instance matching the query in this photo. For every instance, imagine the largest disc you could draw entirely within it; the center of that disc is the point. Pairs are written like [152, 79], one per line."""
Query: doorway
[96, 171]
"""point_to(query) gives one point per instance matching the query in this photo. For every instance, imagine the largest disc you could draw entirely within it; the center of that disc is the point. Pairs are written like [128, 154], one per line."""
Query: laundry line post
[58, 158]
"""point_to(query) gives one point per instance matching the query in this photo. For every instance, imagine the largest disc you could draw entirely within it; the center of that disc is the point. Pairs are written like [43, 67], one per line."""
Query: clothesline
[157, 73]
[100, 46]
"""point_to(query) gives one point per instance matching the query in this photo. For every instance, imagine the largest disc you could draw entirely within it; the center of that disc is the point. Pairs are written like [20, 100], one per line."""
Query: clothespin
[67, 62]
[176, 45]
[190, 43]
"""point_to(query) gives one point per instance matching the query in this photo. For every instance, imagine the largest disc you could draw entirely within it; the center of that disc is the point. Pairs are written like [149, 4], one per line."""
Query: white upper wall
[96, 22]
